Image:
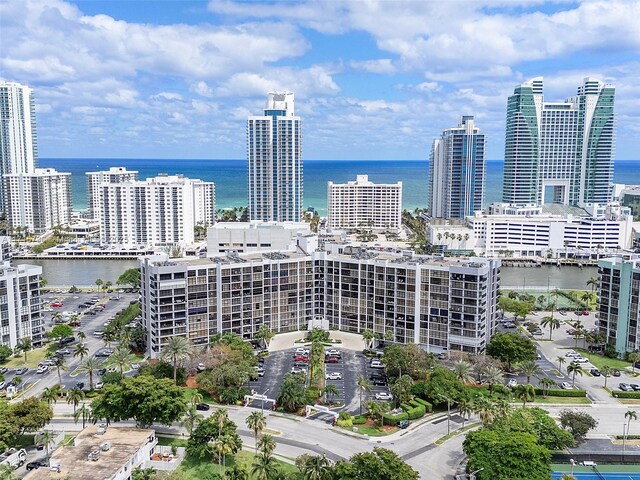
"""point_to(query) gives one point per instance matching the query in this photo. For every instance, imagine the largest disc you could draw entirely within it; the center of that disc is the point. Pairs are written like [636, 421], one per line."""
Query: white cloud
[202, 89]
[382, 65]
[166, 96]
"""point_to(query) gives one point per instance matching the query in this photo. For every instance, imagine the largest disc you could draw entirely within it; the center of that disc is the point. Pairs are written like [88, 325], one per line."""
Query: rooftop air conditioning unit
[105, 447]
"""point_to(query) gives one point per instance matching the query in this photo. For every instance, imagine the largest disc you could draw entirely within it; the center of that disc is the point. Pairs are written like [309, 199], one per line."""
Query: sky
[372, 79]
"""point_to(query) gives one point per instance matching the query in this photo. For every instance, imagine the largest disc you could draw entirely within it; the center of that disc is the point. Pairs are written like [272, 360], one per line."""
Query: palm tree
[236, 472]
[606, 373]
[633, 357]
[552, 323]
[377, 410]
[630, 415]
[317, 467]
[85, 412]
[526, 393]
[330, 391]
[493, 376]
[60, 365]
[191, 419]
[363, 387]
[572, 369]
[108, 284]
[265, 333]
[99, 283]
[24, 345]
[463, 371]
[223, 446]
[176, 350]
[89, 366]
[530, 369]
[561, 361]
[264, 467]
[121, 357]
[486, 408]
[266, 444]
[75, 396]
[465, 409]
[256, 422]
[546, 383]
[82, 336]
[593, 282]
[368, 335]
[51, 395]
[46, 438]
[80, 351]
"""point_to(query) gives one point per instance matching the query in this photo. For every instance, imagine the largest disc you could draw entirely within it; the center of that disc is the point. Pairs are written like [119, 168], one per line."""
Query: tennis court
[601, 475]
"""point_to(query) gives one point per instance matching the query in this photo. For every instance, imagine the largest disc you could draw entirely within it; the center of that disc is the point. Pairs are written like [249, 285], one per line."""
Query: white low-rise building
[364, 204]
[159, 211]
[244, 237]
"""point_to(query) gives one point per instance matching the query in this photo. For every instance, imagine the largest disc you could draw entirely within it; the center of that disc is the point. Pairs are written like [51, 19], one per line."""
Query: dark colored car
[595, 372]
[101, 371]
[403, 424]
[35, 465]
[331, 359]
[68, 340]
[203, 407]
[616, 373]
[635, 386]
[379, 382]
[80, 385]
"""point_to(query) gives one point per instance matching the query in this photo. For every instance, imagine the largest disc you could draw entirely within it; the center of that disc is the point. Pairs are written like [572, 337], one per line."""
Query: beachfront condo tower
[18, 148]
[559, 152]
[274, 151]
[457, 171]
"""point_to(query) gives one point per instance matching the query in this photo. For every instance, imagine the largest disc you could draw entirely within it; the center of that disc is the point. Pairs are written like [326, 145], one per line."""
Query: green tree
[130, 277]
[81, 351]
[24, 345]
[236, 472]
[225, 445]
[465, 409]
[191, 419]
[99, 283]
[633, 357]
[593, 283]
[5, 352]
[526, 393]
[83, 412]
[364, 387]
[630, 415]
[47, 438]
[441, 384]
[402, 389]
[75, 396]
[381, 464]
[121, 357]
[51, 394]
[546, 383]
[143, 474]
[530, 369]
[316, 467]
[330, 390]
[552, 323]
[145, 399]
[486, 408]
[577, 423]
[31, 414]
[266, 445]
[88, 366]
[561, 361]
[368, 336]
[292, 394]
[511, 348]
[463, 371]
[256, 421]
[572, 369]
[264, 467]
[376, 410]
[265, 333]
[60, 367]
[60, 332]
[493, 376]
[606, 373]
[176, 350]
[209, 430]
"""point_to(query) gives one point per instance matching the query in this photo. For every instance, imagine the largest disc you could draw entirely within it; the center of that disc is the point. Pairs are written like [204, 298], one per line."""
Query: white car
[580, 360]
[99, 385]
[571, 353]
[566, 386]
[295, 370]
[512, 383]
[42, 369]
[302, 351]
[333, 352]
[375, 363]
[333, 376]
[384, 396]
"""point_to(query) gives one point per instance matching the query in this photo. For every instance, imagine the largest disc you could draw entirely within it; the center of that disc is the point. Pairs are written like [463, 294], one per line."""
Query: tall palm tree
[83, 412]
[24, 345]
[191, 419]
[264, 467]
[465, 409]
[121, 357]
[546, 383]
[561, 361]
[463, 371]
[363, 387]
[486, 408]
[256, 422]
[552, 323]
[82, 336]
[330, 391]
[368, 335]
[630, 415]
[81, 351]
[75, 396]
[317, 467]
[606, 373]
[493, 376]
[60, 366]
[236, 472]
[46, 439]
[633, 357]
[223, 445]
[176, 350]
[572, 369]
[593, 282]
[89, 366]
[526, 393]
[266, 444]
[51, 394]
[530, 369]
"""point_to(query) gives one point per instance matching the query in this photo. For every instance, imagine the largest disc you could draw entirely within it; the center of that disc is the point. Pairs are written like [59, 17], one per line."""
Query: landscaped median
[385, 423]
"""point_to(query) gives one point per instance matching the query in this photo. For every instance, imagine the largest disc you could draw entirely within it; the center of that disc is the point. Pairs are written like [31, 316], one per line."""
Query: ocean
[230, 176]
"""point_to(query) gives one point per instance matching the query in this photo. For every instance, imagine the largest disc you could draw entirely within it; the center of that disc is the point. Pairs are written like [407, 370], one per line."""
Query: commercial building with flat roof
[244, 237]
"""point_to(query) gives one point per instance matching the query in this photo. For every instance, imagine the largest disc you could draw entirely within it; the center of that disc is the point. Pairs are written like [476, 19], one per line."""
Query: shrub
[557, 392]
[313, 393]
[626, 394]
[414, 409]
[628, 437]
[359, 420]
[394, 419]
[428, 407]
[346, 423]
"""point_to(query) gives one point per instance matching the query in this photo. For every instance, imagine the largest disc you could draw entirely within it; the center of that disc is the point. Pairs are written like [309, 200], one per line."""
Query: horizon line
[307, 160]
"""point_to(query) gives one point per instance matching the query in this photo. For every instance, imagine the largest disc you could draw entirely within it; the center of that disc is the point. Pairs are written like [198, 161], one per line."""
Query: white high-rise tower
[274, 151]
[18, 147]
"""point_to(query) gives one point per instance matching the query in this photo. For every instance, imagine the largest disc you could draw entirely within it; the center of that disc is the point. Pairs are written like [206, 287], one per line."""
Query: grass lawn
[600, 361]
[562, 400]
[168, 441]
[25, 441]
[629, 401]
[188, 393]
[33, 358]
[195, 469]
[68, 440]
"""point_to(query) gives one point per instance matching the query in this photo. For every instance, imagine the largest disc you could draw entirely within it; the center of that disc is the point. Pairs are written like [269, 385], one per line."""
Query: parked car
[379, 382]
[635, 387]
[99, 385]
[616, 373]
[512, 383]
[538, 332]
[332, 352]
[301, 351]
[442, 356]
[300, 358]
[201, 367]
[74, 324]
[42, 369]
[79, 385]
[566, 386]
[403, 424]
[48, 363]
[585, 312]
[64, 351]
[4, 369]
[384, 396]
[98, 333]
[580, 360]
[101, 371]
[295, 370]
[57, 304]
[204, 407]
[333, 376]
[68, 340]
[595, 372]
[509, 325]
[37, 464]
[625, 387]
[3, 385]
[21, 371]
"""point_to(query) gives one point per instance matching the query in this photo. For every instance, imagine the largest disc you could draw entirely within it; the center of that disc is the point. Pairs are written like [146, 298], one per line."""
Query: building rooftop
[564, 210]
[124, 443]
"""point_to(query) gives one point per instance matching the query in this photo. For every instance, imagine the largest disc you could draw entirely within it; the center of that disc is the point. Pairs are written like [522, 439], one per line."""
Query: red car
[74, 324]
[331, 359]
[585, 312]
[56, 304]
[300, 358]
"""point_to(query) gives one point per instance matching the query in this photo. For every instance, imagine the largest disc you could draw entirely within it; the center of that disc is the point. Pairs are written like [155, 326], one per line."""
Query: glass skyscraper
[457, 171]
[560, 152]
[274, 151]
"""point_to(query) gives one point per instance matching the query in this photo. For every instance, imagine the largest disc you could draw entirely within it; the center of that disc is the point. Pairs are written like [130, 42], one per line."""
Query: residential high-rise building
[364, 204]
[566, 147]
[160, 211]
[457, 171]
[20, 304]
[438, 303]
[274, 151]
[618, 302]
[96, 179]
[38, 201]
[18, 146]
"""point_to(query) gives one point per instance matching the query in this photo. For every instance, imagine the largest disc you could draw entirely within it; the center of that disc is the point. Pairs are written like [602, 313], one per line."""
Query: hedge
[428, 407]
[626, 394]
[393, 420]
[414, 409]
[628, 437]
[557, 392]
[359, 420]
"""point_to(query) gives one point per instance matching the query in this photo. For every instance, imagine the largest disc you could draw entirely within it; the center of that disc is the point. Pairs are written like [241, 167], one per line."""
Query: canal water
[85, 272]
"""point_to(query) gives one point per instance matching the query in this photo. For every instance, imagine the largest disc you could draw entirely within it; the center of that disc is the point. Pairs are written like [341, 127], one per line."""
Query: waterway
[85, 272]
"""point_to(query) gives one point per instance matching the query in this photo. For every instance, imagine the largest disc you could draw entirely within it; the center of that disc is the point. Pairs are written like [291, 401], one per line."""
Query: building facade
[159, 211]
[457, 170]
[364, 204]
[274, 151]
[38, 201]
[244, 237]
[18, 141]
[20, 304]
[618, 300]
[439, 303]
[5, 249]
[96, 179]
[559, 152]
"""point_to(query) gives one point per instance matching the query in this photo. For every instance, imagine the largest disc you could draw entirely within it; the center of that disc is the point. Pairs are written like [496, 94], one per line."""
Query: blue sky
[372, 79]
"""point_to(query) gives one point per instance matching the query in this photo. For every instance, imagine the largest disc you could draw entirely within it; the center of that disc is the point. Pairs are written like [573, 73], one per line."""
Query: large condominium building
[20, 304]
[457, 171]
[438, 303]
[274, 151]
[244, 237]
[96, 179]
[564, 147]
[18, 146]
[5, 249]
[619, 297]
[364, 204]
[159, 211]
[38, 201]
